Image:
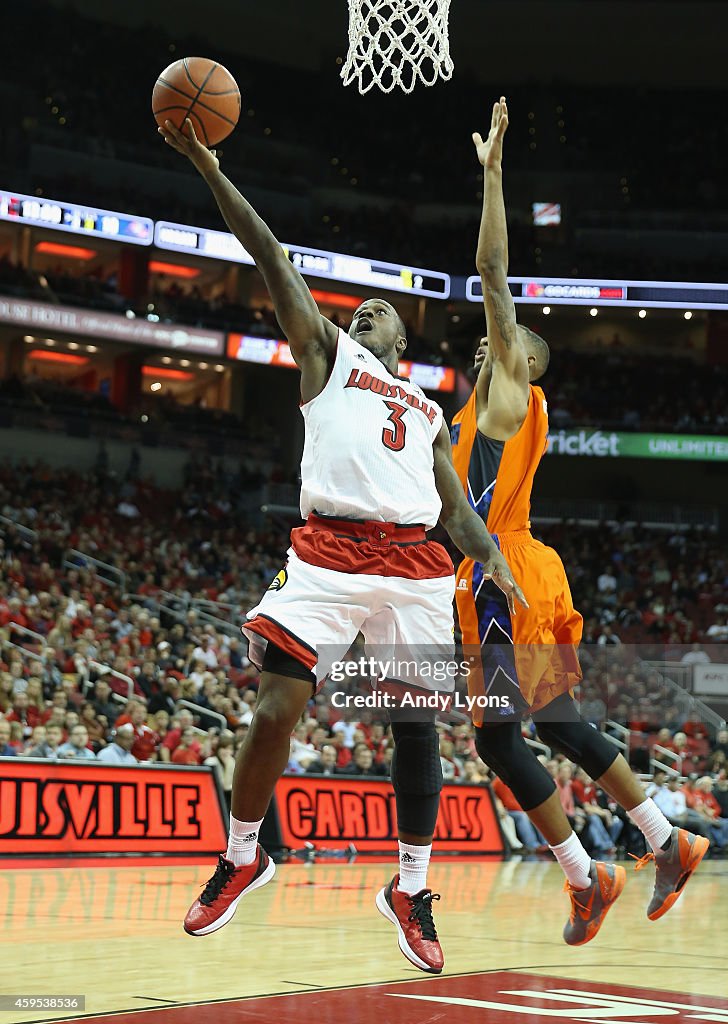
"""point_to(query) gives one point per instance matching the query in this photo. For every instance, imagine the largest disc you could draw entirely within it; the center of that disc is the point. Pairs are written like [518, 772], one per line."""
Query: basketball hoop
[396, 43]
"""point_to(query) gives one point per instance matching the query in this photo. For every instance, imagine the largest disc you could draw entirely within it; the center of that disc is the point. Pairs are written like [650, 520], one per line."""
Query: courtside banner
[62, 808]
[332, 812]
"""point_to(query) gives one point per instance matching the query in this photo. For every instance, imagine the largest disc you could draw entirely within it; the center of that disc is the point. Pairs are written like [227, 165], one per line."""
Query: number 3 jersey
[368, 449]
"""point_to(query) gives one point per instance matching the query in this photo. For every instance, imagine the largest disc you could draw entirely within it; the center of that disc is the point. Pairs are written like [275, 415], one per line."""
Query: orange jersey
[497, 476]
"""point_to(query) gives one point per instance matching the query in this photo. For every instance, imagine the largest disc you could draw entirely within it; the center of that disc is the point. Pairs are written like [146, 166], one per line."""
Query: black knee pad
[562, 728]
[503, 748]
[416, 776]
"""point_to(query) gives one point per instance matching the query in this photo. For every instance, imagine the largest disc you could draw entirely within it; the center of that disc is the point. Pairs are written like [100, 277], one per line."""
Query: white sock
[413, 863]
[575, 862]
[243, 841]
[650, 820]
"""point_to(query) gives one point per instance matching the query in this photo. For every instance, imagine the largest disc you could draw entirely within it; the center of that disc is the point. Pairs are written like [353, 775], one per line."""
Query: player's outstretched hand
[497, 569]
[490, 152]
[187, 143]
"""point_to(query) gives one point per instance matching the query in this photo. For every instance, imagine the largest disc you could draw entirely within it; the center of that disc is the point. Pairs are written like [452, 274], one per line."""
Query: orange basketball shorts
[530, 656]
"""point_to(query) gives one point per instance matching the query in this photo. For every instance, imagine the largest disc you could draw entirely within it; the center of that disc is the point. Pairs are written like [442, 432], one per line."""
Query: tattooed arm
[504, 343]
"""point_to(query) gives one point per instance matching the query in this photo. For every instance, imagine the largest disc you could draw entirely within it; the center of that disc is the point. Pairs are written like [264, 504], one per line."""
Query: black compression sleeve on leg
[280, 663]
[564, 730]
[416, 776]
[504, 749]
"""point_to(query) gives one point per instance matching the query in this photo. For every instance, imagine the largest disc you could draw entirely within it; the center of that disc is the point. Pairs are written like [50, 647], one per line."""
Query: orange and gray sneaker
[674, 866]
[589, 906]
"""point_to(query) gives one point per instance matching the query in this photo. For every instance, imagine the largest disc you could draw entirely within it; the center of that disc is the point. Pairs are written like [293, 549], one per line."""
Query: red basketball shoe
[412, 917]
[219, 900]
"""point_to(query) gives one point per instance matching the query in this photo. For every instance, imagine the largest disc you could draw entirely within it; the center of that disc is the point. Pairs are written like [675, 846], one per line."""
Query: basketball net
[396, 43]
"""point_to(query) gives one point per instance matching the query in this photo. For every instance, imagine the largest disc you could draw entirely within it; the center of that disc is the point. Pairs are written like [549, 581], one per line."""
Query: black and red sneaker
[219, 900]
[412, 917]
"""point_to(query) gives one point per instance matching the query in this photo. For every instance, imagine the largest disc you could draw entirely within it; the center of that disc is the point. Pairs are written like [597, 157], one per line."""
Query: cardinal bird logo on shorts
[280, 581]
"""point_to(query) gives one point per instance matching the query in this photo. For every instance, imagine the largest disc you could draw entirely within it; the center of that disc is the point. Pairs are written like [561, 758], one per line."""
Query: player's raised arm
[492, 255]
[465, 527]
[311, 336]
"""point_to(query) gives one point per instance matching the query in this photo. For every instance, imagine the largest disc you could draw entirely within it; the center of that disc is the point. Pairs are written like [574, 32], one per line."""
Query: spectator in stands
[527, 833]
[695, 656]
[449, 769]
[223, 761]
[347, 727]
[184, 720]
[160, 724]
[680, 746]
[205, 652]
[325, 764]
[362, 762]
[513, 843]
[16, 739]
[708, 807]
[721, 742]
[607, 586]
[566, 792]
[102, 702]
[46, 741]
[302, 750]
[166, 699]
[379, 740]
[147, 742]
[5, 748]
[186, 751]
[118, 752]
[474, 773]
[97, 727]
[607, 637]
[602, 826]
[24, 714]
[671, 800]
[77, 746]
[592, 707]
[718, 632]
[721, 794]
[659, 779]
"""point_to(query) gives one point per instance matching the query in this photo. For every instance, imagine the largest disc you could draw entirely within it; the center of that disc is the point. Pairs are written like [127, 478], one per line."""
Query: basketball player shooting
[498, 441]
[376, 474]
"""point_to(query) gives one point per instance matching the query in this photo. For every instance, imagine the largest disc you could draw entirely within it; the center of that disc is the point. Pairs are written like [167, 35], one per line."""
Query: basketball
[202, 90]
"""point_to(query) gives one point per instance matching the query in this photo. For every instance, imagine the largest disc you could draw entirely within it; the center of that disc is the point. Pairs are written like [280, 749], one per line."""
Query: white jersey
[368, 449]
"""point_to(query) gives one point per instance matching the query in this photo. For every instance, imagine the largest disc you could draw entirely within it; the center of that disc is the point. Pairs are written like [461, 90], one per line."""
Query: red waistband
[366, 530]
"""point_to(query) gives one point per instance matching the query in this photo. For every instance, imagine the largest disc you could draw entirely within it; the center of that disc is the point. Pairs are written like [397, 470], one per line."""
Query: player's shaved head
[538, 352]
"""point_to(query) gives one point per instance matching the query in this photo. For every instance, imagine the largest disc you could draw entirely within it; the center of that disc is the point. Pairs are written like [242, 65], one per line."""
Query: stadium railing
[74, 559]
[623, 738]
[103, 669]
[25, 532]
[199, 710]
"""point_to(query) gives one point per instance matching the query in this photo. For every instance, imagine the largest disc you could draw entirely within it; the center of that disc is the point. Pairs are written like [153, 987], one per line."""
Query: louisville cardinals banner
[81, 809]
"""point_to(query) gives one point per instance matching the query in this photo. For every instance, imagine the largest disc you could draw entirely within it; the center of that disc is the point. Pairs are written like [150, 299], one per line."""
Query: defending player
[498, 441]
[376, 475]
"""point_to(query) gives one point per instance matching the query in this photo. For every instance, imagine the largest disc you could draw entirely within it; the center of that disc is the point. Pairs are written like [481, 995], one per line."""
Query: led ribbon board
[85, 221]
[590, 292]
[335, 266]
[271, 352]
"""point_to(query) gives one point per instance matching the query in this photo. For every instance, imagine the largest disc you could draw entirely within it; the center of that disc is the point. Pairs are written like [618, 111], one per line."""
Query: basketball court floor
[311, 946]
